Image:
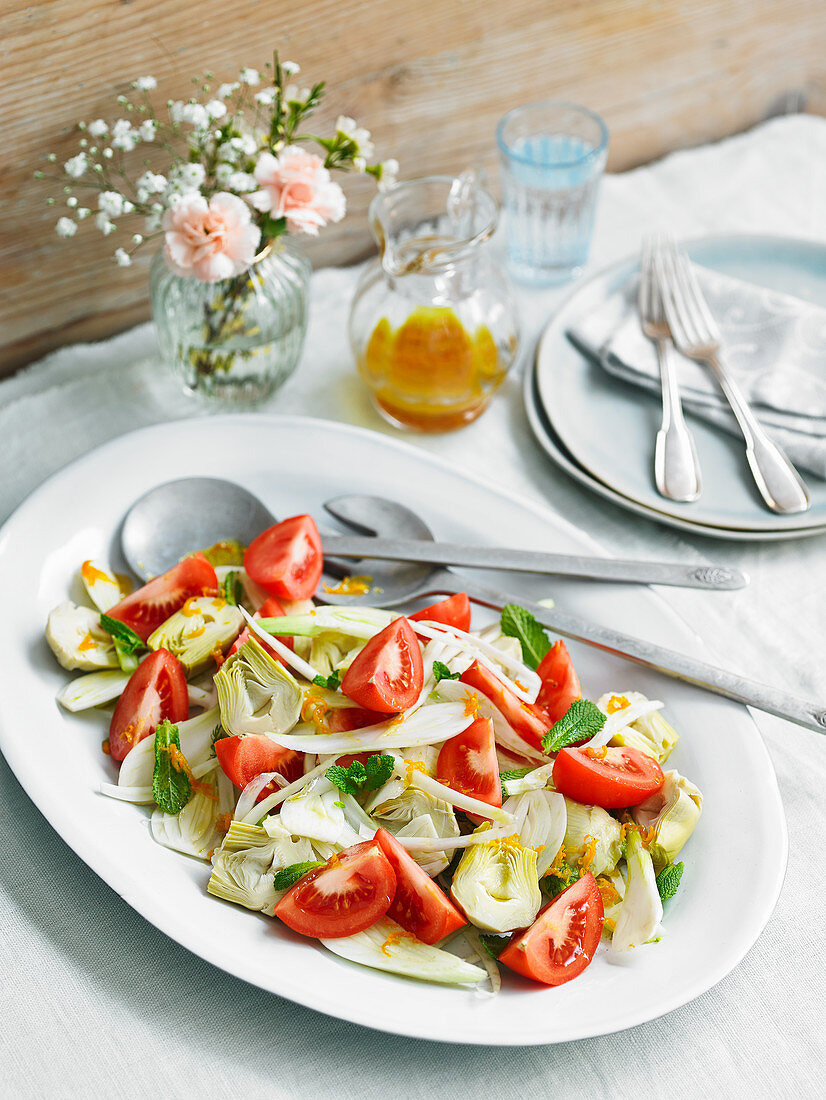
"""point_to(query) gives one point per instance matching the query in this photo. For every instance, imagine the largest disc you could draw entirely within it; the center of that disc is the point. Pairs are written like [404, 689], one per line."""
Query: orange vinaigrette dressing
[431, 373]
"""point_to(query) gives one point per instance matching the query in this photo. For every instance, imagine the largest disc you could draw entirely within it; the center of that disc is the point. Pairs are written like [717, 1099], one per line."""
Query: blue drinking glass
[552, 156]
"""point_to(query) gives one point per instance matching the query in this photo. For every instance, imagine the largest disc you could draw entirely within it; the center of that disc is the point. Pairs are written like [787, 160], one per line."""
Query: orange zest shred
[128, 734]
[597, 754]
[191, 607]
[471, 704]
[350, 586]
[609, 893]
[105, 746]
[314, 710]
[609, 925]
[91, 574]
[589, 853]
[206, 789]
[196, 633]
[393, 939]
[414, 766]
[218, 657]
[223, 822]
[615, 703]
[218, 602]
[87, 643]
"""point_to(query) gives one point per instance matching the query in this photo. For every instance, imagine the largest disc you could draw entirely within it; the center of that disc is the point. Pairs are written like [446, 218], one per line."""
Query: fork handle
[780, 485]
[676, 466]
[712, 678]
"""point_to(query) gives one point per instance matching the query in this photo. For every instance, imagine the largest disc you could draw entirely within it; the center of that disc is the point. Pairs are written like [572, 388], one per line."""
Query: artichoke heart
[409, 811]
[203, 626]
[77, 639]
[672, 812]
[496, 884]
[243, 869]
[256, 694]
[541, 821]
[592, 838]
[649, 733]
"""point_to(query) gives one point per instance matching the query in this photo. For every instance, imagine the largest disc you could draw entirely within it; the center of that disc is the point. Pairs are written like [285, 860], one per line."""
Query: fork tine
[668, 290]
[644, 303]
[703, 315]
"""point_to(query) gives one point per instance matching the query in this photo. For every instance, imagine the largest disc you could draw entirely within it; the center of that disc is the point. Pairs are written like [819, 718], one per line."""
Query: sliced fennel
[194, 831]
[523, 682]
[642, 727]
[205, 625]
[256, 694]
[93, 690]
[196, 745]
[386, 946]
[316, 813]
[673, 813]
[496, 884]
[101, 585]
[77, 639]
[641, 911]
[541, 818]
[354, 622]
[535, 780]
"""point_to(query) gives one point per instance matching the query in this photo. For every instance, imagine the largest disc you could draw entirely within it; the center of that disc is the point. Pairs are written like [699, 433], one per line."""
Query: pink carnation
[297, 186]
[210, 241]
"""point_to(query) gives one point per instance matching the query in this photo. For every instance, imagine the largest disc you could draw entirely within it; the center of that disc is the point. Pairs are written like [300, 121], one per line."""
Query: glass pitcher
[433, 325]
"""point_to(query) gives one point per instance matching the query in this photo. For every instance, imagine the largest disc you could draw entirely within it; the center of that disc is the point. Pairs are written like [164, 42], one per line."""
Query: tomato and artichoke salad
[418, 796]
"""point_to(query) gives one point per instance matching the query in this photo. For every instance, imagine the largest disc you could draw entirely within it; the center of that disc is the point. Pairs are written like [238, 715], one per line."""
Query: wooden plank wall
[429, 77]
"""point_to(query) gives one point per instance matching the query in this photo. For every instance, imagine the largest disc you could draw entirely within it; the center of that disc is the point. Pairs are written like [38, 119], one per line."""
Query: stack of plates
[602, 431]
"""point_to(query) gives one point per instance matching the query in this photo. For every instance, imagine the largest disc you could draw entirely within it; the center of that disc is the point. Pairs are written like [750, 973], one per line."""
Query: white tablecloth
[96, 1003]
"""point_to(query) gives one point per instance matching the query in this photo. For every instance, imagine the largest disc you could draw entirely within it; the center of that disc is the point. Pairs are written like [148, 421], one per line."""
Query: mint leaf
[218, 734]
[379, 770]
[289, 876]
[668, 880]
[514, 773]
[519, 623]
[231, 588]
[171, 785]
[358, 778]
[580, 722]
[494, 945]
[331, 682]
[125, 638]
[442, 672]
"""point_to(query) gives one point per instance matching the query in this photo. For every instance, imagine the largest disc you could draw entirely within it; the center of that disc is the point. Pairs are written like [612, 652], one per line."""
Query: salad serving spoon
[165, 523]
[386, 518]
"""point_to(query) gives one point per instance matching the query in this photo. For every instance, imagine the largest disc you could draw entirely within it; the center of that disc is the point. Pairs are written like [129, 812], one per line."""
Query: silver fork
[696, 335]
[676, 467]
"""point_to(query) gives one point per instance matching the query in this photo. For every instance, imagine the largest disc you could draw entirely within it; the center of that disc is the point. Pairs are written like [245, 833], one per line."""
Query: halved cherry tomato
[243, 758]
[562, 940]
[419, 906]
[156, 690]
[270, 609]
[622, 777]
[348, 894]
[146, 608]
[387, 675]
[523, 720]
[344, 719]
[286, 559]
[560, 684]
[468, 763]
[454, 611]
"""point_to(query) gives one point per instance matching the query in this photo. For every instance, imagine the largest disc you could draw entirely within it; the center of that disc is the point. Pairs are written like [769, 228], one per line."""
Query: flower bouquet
[226, 182]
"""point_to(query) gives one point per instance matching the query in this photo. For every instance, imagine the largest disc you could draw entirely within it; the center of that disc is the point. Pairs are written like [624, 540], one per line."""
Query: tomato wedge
[348, 894]
[562, 940]
[419, 906]
[156, 690]
[270, 609]
[243, 758]
[560, 684]
[468, 763]
[286, 560]
[522, 719]
[387, 675]
[622, 777]
[454, 611]
[146, 608]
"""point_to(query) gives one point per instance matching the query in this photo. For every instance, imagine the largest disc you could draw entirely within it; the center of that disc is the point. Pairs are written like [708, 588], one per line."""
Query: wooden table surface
[430, 79]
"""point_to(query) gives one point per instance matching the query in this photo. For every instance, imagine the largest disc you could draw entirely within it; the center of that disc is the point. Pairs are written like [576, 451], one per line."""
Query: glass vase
[239, 339]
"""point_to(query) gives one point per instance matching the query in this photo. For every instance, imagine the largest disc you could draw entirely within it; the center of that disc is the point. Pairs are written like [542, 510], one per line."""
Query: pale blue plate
[609, 428]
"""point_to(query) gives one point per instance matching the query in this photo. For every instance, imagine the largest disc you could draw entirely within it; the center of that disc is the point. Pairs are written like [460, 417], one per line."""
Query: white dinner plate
[609, 427]
[734, 862]
[554, 448]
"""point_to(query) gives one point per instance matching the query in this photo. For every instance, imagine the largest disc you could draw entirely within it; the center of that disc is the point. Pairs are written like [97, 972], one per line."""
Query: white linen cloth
[774, 346]
[96, 1003]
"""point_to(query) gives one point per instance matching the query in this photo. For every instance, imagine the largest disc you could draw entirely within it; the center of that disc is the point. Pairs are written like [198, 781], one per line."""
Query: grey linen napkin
[774, 345]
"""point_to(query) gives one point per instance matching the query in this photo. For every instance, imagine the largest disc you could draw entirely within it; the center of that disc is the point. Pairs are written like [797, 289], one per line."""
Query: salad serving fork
[676, 466]
[697, 336]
